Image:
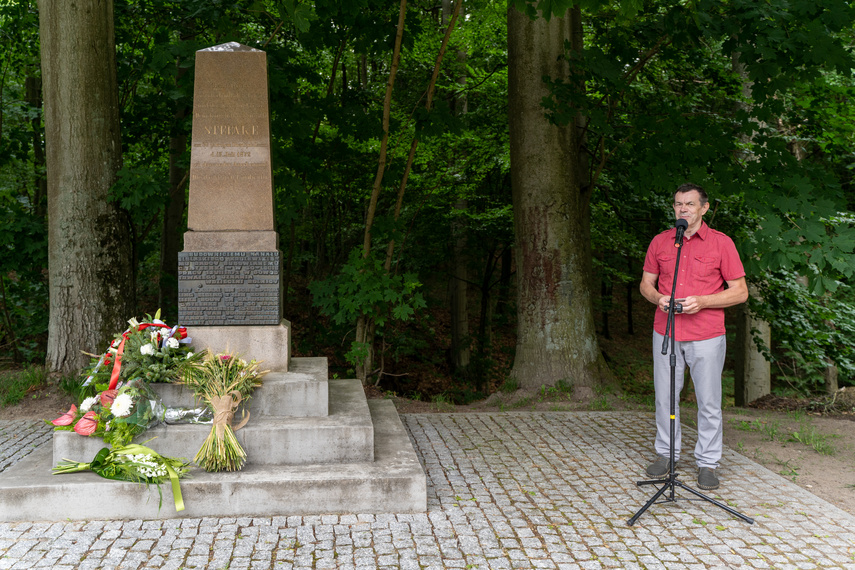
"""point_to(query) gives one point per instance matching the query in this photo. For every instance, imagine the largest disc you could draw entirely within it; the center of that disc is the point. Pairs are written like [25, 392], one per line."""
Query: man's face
[687, 205]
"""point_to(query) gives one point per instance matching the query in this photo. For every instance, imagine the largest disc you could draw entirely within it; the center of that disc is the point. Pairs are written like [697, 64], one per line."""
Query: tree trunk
[459, 285]
[556, 338]
[830, 374]
[752, 372]
[89, 251]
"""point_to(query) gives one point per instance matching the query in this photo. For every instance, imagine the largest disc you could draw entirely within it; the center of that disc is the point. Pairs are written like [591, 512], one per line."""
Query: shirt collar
[702, 231]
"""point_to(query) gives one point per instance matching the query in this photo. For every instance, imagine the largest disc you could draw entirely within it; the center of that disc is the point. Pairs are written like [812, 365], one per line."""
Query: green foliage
[365, 288]
[15, 385]
[138, 188]
[808, 330]
[809, 436]
[511, 384]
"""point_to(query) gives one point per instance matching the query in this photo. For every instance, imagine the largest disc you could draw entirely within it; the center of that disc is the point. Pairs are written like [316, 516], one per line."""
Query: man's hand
[693, 304]
[736, 293]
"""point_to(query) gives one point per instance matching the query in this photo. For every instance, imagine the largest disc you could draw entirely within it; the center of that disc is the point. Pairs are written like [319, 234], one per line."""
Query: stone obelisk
[229, 272]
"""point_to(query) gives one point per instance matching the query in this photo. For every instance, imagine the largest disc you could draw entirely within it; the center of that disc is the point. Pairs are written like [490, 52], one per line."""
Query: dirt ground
[816, 451]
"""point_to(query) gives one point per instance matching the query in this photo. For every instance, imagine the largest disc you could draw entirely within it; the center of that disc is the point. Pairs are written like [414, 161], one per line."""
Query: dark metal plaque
[229, 288]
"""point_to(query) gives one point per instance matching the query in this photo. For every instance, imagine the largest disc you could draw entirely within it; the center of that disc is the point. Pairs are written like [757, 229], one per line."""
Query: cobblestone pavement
[20, 438]
[505, 490]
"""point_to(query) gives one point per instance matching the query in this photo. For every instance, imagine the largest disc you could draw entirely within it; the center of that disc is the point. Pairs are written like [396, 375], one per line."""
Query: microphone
[681, 226]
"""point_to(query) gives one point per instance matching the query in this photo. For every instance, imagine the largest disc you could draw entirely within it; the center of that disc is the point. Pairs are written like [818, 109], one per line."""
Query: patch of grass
[601, 404]
[521, 403]
[788, 470]
[808, 436]
[442, 402]
[561, 390]
[770, 429]
[73, 386]
[15, 386]
[646, 401]
[798, 415]
[510, 384]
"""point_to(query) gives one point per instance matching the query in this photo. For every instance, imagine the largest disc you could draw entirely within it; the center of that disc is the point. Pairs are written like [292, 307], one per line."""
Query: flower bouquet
[116, 415]
[134, 463]
[151, 350]
[223, 382]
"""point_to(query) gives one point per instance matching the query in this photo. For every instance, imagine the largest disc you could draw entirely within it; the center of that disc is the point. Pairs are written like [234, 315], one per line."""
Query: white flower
[147, 349]
[155, 336]
[189, 355]
[172, 342]
[87, 404]
[122, 405]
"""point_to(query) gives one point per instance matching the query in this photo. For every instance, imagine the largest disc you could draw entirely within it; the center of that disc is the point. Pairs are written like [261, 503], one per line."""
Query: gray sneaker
[658, 468]
[707, 479]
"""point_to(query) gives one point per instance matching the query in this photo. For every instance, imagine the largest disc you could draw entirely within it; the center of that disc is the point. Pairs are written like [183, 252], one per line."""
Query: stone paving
[505, 490]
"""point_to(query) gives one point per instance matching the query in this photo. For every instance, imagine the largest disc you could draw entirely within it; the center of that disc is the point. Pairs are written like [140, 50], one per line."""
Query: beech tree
[89, 253]
[556, 338]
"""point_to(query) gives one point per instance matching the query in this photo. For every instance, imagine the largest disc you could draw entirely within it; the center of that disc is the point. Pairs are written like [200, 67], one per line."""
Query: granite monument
[229, 272]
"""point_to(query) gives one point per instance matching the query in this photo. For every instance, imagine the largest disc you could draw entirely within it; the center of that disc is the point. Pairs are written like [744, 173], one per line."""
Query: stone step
[393, 483]
[300, 392]
[345, 435]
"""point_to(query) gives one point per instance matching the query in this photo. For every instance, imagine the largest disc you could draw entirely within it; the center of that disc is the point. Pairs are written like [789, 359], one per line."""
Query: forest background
[435, 240]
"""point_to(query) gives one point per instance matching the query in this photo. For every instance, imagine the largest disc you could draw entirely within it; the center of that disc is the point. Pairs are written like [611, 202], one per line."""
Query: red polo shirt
[709, 258]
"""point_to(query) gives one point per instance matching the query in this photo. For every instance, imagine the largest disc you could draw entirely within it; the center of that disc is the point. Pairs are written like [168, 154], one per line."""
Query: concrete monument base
[393, 483]
[269, 344]
[340, 453]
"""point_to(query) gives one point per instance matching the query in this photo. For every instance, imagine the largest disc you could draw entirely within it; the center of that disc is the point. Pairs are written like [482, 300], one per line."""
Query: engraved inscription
[229, 288]
[230, 155]
[231, 130]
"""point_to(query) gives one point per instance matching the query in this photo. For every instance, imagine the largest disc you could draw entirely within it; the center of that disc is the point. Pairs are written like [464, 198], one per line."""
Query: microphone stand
[670, 483]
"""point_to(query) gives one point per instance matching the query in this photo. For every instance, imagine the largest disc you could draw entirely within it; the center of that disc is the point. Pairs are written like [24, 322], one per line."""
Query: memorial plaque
[229, 288]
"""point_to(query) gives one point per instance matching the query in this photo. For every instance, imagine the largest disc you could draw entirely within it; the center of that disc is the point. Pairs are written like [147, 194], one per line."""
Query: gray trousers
[705, 360]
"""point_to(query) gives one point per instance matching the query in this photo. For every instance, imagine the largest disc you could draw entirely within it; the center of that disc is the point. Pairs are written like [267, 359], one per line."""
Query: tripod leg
[652, 500]
[716, 503]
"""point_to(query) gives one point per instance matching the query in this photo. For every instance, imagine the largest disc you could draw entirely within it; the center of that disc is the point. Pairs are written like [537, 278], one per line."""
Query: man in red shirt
[708, 261]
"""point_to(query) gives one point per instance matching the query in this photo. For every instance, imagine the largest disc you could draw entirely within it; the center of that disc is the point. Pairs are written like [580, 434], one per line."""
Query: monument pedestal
[269, 344]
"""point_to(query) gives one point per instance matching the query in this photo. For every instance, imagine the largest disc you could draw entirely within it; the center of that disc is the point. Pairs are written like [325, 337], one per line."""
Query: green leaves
[364, 287]
[808, 327]
[137, 188]
[300, 13]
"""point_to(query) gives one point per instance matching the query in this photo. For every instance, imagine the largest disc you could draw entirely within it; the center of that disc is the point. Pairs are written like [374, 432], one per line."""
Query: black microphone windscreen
[681, 223]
